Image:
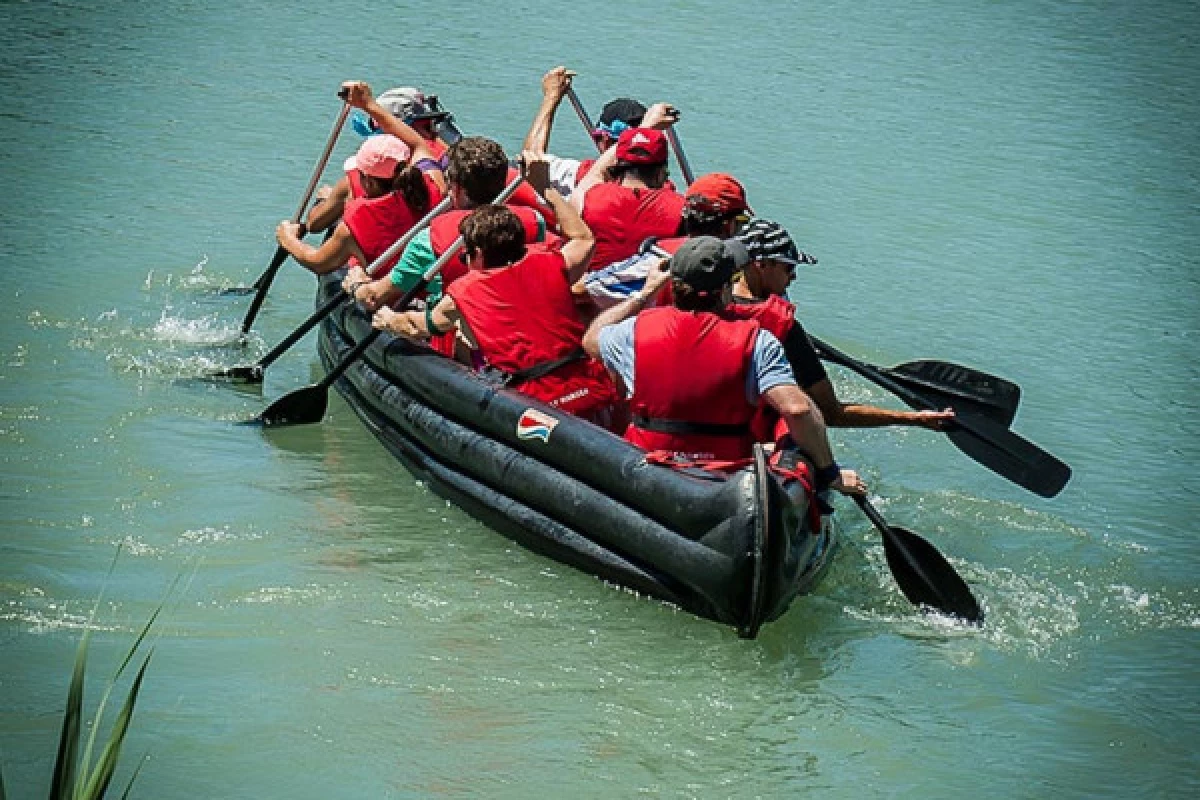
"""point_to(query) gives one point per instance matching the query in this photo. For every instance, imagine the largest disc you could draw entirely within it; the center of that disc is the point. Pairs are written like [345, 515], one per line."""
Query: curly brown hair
[496, 232]
[479, 166]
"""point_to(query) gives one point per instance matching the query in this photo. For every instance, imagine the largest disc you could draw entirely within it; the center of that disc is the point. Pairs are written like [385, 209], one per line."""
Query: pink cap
[379, 156]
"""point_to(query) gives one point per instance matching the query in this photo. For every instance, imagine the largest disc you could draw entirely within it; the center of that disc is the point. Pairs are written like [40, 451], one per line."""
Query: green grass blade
[98, 782]
[132, 778]
[2, 795]
[68, 741]
[91, 742]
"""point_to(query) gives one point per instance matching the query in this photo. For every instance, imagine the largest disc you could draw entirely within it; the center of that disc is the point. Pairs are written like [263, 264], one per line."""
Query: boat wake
[1045, 611]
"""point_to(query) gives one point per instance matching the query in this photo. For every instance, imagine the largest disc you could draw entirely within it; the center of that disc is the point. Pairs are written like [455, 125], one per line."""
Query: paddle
[923, 574]
[684, 166]
[264, 281]
[672, 136]
[982, 438]
[944, 384]
[254, 372]
[583, 115]
[307, 405]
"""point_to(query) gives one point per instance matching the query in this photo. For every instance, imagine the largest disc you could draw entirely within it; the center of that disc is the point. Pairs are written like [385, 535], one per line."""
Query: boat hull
[737, 550]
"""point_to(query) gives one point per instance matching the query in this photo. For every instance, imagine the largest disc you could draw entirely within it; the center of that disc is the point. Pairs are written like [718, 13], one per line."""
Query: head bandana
[362, 123]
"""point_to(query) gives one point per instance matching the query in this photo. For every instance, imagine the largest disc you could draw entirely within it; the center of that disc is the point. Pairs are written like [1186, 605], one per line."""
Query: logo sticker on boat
[533, 424]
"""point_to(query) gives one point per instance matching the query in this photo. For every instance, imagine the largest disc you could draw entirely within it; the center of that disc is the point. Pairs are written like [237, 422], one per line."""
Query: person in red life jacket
[635, 205]
[515, 307]
[476, 173]
[695, 379]
[615, 117]
[412, 114]
[715, 206]
[760, 293]
[397, 194]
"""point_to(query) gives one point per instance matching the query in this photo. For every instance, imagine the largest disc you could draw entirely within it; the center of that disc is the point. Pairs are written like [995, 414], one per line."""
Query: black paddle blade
[926, 577]
[236, 291]
[1009, 454]
[952, 384]
[244, 374]
[302, 407]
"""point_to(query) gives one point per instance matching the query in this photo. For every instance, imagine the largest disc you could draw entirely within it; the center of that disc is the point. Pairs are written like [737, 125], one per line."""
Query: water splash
[207, 331]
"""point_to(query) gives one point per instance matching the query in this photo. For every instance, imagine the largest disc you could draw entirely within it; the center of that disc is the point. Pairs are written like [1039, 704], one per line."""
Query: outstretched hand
[399, 323]
[537, 170]
[849, 484]
[935, 420]
[287, 231]
[556, 82]
[660, 116]
[659, 274]
[357, 93]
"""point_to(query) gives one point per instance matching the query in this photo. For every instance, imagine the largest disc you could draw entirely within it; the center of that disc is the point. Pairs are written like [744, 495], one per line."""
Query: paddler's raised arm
[580, 241]
[358, 94]
[597, 174]
[555, 84]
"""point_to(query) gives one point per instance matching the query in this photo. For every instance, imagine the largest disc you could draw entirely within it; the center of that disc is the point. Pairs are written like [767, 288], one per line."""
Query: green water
[1011, 185]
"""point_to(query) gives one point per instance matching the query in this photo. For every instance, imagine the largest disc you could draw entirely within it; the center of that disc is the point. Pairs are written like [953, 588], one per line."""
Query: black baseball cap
[707, 263]
[625, 109]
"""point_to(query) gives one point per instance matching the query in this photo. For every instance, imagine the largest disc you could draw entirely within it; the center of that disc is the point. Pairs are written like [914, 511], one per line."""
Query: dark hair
[703, 219]
[479, 166]
[653, 175]
[496, 232]
[410, 183]
[688, 299]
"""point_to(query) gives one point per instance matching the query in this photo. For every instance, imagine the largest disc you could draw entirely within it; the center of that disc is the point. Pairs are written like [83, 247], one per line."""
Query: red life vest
[524, 321]
[777, 316]
[689, 384]
[377, 222]
[443, 232]
[356, 187]
[622, 218]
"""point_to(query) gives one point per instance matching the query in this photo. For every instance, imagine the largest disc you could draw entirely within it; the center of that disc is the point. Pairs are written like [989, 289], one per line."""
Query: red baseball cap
[720, 192]
[642, 146]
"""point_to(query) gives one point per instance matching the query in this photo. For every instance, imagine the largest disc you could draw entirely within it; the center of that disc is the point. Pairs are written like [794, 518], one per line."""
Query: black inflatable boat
[736, 550]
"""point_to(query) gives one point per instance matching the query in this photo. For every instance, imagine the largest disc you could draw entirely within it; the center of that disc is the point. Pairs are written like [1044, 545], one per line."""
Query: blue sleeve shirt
[769, 366]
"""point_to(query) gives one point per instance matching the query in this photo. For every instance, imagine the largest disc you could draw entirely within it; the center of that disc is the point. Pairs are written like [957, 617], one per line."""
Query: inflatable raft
[734, 549]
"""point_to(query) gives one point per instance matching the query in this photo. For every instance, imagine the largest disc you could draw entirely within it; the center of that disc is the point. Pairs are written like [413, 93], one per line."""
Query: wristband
[429, 326]
[827, 475]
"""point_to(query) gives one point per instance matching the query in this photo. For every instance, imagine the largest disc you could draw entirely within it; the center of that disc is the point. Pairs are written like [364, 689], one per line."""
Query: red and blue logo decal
[533, 424]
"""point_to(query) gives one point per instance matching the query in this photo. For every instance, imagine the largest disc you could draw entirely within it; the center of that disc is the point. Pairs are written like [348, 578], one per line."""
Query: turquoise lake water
[1011, 185]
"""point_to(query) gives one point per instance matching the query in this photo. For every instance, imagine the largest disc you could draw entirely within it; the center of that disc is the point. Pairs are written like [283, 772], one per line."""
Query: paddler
[476, 173]
[395, 195]
[516, 310]
[617, 115]
[403, 112]
[715, 206]
[694, 379]
[635, 204]
[760, 293]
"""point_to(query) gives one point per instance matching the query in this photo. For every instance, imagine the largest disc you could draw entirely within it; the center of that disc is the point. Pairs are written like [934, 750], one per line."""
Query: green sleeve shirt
[418, 257]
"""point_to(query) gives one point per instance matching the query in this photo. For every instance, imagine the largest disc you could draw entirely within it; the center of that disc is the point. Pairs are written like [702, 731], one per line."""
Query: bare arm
[580, 242]
[331, 255]
[554, 87]
[659, 274]
[413, 324]
[807, 428]
[597, 174]
[329, 206]
[854, 415]
[358, 94]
